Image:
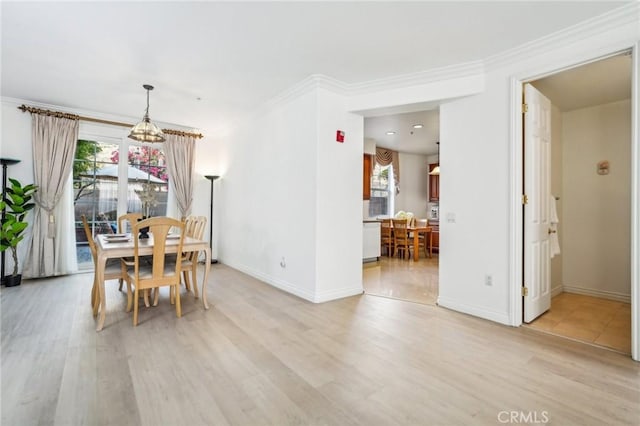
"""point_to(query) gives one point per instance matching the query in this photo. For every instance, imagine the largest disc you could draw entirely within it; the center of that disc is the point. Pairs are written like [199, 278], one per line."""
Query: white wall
[557, 191]
[596, 240]
[16, 144]
[414, 184]
[291, 192]
[339, 195]
[477, 153]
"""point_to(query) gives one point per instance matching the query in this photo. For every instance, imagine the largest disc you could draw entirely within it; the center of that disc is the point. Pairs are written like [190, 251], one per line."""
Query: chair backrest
[129, 217]
[385, 228]
[194, 228]
[92, 243]
[400, 233]
[422, 223]
[201, 224]
[159, 228]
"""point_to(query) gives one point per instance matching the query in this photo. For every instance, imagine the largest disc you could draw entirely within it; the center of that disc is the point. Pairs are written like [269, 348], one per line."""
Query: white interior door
[537, 187]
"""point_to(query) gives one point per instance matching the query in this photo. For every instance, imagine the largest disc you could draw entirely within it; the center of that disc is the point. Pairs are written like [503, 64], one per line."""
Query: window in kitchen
[382, 190]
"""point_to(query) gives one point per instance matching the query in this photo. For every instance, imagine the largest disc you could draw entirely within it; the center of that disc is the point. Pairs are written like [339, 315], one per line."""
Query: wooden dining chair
[159, 273]
[113, 269]
[422, 237]
[401, 241]
[386, 236]
[130, 219]
[125, 223]
[194, 228]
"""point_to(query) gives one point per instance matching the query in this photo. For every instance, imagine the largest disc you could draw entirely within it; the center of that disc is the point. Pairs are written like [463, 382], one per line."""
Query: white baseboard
[338, 294]
[477, 311]
[275, 282]
[292, 289]
[611, 295]
[556, 290]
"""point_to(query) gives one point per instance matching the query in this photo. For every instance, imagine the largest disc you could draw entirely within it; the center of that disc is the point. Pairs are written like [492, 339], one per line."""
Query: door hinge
[525, 199]
[525, 291]
[525, 108]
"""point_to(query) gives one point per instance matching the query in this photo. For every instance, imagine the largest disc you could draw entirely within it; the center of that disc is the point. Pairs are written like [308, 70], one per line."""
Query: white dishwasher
[370, 240]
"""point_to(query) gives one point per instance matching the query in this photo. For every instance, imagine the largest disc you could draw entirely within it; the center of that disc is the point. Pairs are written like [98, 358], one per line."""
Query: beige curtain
[180, 153]
[54, 142]
[384, 157]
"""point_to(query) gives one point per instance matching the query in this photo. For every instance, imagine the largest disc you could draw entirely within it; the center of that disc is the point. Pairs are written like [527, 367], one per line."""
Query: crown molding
[418, 78]
[314, 81]
[89, 113]
[614, 19]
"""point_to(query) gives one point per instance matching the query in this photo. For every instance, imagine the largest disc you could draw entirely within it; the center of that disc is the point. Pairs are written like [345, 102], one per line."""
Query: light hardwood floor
[262, 357]
[402, 279]
[589, 319]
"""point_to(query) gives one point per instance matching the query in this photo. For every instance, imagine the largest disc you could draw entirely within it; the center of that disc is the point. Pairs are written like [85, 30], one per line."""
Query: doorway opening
[577, 262]
[403, 149]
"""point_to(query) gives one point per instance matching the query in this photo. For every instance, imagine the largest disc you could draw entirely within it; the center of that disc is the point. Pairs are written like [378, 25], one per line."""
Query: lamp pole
[5, 162]
[211, 179]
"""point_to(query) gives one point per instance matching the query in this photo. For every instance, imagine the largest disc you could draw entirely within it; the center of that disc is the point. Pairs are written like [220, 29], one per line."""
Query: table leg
[416, 245]
[207, 266]
[430, 244]
[102, 261]
[194, 274]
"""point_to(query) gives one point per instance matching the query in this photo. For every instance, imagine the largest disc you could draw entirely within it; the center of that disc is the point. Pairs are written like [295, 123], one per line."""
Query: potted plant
[17, 202]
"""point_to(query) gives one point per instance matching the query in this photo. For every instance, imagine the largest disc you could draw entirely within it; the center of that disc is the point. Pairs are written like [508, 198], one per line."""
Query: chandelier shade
[146, 131]
[436, 169]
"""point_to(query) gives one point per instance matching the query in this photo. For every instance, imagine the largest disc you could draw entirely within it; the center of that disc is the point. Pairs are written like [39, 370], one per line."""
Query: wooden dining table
[415, 231]
[108, 249]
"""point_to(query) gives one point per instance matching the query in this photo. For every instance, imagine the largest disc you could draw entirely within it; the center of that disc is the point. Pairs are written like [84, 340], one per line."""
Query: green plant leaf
[16, 199]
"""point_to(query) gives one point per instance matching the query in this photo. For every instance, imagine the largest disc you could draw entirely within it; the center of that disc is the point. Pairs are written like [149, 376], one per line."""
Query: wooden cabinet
[436, 235]
[366, 176]
[434, 184]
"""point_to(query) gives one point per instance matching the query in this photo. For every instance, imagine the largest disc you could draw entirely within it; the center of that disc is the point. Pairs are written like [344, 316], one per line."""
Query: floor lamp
[5, 162]
[211, 178]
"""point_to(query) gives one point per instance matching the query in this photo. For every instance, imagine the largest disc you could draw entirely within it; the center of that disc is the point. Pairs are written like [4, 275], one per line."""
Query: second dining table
[109, 249]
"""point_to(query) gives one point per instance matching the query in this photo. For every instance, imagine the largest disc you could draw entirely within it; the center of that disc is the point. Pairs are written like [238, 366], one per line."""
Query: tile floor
[402, 279]
[589, 319]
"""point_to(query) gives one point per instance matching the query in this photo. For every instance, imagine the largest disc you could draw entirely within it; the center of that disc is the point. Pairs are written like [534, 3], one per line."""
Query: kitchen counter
[371, 220]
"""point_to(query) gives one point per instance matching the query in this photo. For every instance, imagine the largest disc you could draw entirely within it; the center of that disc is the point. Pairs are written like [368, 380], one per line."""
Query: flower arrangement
[403, 215]
[148, 197]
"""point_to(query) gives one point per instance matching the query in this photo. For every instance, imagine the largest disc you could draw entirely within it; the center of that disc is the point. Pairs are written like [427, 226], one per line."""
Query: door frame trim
[516, 214]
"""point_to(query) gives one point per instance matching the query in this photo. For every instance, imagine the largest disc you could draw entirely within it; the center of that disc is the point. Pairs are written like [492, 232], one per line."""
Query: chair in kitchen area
[422, 236]
[401, 242]
[386, 236]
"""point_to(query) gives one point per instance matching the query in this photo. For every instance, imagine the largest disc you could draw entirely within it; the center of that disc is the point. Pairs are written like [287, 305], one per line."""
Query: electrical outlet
[488, 280]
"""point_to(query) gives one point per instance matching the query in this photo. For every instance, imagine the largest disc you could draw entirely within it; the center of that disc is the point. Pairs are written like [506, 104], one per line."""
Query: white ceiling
[406, 138]
[597, 83]
[214, 62]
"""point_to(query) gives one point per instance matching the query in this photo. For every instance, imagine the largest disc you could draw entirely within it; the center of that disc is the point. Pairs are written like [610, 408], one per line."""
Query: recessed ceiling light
[391, 133]
[417, 126]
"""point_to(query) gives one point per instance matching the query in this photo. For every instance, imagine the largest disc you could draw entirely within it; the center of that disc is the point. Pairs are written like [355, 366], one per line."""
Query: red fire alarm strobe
[339, 136]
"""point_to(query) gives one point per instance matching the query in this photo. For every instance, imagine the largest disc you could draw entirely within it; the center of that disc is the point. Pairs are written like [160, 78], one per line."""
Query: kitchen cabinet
[370, 240]
[366, 176]
[435, 225]
[434, 184]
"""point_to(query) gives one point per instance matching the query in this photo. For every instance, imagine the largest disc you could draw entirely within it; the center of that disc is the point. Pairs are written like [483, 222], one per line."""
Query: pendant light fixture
[146, 131]
[436, 169]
